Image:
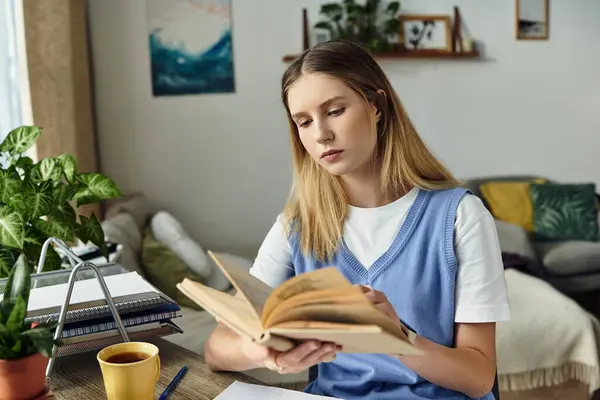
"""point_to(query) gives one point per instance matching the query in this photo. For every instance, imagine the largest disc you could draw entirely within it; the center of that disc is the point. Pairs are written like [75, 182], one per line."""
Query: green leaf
[18, 204]
[53, 260]
[39, 201]
[9, 186]
[11, 228]
[17, 349]
[393, 7]
[42, 339]
[57, 225]
[17, 287]
[90, 230]
[95, 187]
[20, 140]
[67, 214]
[8, 257]
[24, 162]
[69, 166]
[14, 323]
[63, 193]
[48, 169]
[5, 335]
[323, 25]
[35, 236]
[19, 281]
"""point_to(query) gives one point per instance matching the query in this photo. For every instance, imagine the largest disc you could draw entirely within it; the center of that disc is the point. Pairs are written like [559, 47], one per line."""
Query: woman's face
[334, 123]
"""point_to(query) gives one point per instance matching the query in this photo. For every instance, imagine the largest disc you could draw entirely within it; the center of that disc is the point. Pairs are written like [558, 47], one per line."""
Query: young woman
[369, 198]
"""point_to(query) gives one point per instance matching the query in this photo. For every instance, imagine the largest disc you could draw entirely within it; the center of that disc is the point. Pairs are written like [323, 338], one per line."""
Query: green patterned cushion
[564, 211]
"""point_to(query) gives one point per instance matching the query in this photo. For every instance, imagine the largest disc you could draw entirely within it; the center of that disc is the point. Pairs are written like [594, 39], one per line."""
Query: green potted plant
[369, 24]
[24, 347]
[38, 200]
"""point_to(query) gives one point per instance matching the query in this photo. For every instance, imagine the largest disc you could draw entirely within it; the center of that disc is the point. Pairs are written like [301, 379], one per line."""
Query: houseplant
[24, 347]
[37, 201]
[369, 24]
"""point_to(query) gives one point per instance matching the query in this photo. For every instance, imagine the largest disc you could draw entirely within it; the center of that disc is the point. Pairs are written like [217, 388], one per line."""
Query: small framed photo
[531, 20]
[425, 32]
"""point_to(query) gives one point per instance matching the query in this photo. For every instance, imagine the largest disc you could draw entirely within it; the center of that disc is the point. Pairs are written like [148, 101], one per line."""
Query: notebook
[130, 293]
[161, 313]
[101, 340]
[246, 391]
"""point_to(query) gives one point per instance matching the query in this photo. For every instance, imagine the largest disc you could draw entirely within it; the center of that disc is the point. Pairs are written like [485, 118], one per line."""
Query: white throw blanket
[550, 339]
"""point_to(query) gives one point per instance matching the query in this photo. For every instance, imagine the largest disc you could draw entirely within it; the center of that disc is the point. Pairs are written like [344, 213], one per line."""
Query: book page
[320, 279]
[356, 313]
[252, 289]
[344, 295]
[234, 312]
[362, 339]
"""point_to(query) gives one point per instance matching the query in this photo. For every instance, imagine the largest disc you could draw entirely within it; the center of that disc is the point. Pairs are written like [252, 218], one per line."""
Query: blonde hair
[318, 204]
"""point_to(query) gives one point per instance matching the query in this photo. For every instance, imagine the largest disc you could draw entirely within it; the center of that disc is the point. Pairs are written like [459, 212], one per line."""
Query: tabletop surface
[79, 375]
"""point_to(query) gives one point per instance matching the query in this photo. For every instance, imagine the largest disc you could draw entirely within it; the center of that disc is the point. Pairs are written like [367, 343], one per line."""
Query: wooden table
[78, 376]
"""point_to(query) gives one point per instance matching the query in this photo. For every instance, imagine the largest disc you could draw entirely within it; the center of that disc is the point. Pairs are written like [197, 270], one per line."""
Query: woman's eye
[337, 111]
[305, 123]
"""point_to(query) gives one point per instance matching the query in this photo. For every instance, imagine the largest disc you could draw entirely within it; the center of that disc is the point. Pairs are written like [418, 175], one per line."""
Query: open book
[321, 305]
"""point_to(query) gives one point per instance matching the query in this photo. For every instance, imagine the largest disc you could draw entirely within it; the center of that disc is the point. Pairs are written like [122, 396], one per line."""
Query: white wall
[221, 162]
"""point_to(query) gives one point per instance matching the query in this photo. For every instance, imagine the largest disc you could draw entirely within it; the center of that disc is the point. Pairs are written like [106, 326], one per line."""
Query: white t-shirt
[481, 294]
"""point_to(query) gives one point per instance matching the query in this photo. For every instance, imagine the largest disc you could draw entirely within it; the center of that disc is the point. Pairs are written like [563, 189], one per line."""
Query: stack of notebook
[89, 325]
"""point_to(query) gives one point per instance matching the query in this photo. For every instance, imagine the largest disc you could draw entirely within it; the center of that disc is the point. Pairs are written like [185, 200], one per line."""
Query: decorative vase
[23, 378]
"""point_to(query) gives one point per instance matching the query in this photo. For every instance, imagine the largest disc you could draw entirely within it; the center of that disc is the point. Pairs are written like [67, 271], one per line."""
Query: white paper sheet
[245, 391]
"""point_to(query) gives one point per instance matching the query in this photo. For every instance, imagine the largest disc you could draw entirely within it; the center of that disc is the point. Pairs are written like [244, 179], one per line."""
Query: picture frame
[425, 32]
[532, 19]
[191, 47]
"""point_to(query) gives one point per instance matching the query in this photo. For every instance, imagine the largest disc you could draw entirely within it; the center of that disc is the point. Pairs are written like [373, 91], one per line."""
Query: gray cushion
[123, 229]
[515, 239]
[570, 257]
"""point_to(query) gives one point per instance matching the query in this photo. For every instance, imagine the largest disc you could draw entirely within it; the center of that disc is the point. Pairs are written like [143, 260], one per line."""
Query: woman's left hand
[380, 300]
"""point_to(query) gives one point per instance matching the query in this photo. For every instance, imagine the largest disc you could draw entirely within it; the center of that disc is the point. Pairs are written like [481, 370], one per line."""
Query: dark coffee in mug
[127, 357]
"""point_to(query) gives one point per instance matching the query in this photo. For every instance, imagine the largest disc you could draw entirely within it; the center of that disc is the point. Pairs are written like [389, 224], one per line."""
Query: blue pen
[173, 383]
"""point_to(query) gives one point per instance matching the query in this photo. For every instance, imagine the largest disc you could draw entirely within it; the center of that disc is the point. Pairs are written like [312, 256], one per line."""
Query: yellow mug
[130, 370]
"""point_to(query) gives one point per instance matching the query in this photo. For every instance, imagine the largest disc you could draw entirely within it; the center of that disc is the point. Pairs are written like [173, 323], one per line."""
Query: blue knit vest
[418, 275]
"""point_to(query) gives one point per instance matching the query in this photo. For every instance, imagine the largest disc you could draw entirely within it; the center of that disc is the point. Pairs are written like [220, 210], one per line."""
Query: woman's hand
[292, 361]
[380, 300]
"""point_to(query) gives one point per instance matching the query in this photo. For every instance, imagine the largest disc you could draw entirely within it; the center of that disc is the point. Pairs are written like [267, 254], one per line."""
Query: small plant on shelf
[37, 201]
[25, 347]
[371, 24]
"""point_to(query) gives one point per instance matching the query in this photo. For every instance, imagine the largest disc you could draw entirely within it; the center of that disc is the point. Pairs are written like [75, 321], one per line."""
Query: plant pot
[23, 378]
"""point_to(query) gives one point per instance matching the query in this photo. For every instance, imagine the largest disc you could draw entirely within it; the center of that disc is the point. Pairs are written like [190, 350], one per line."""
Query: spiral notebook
[130, 319]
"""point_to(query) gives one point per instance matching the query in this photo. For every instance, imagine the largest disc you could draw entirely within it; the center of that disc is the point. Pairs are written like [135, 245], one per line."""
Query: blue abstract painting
[191, 50]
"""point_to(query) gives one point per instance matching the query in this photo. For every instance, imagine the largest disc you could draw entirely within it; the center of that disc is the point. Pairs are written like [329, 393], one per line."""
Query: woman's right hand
[295, 360]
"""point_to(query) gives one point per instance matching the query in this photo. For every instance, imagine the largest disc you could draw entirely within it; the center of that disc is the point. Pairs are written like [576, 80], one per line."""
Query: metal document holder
[78, 265]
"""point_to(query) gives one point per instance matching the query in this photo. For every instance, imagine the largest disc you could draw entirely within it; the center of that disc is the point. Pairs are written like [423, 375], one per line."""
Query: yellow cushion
[510, 202]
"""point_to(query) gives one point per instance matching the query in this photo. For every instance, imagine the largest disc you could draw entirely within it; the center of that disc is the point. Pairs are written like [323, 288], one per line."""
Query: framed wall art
[191, 46]
[531, 19]
[425, 32]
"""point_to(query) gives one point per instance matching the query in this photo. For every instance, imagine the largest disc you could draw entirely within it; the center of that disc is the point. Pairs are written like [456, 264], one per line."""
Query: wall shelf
[414, 54]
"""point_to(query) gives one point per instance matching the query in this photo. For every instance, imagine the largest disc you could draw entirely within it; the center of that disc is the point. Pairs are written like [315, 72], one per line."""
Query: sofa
[571, 266]
[525, 364]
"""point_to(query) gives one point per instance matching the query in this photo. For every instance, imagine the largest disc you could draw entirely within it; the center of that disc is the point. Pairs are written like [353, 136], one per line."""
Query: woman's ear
[380, 92]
